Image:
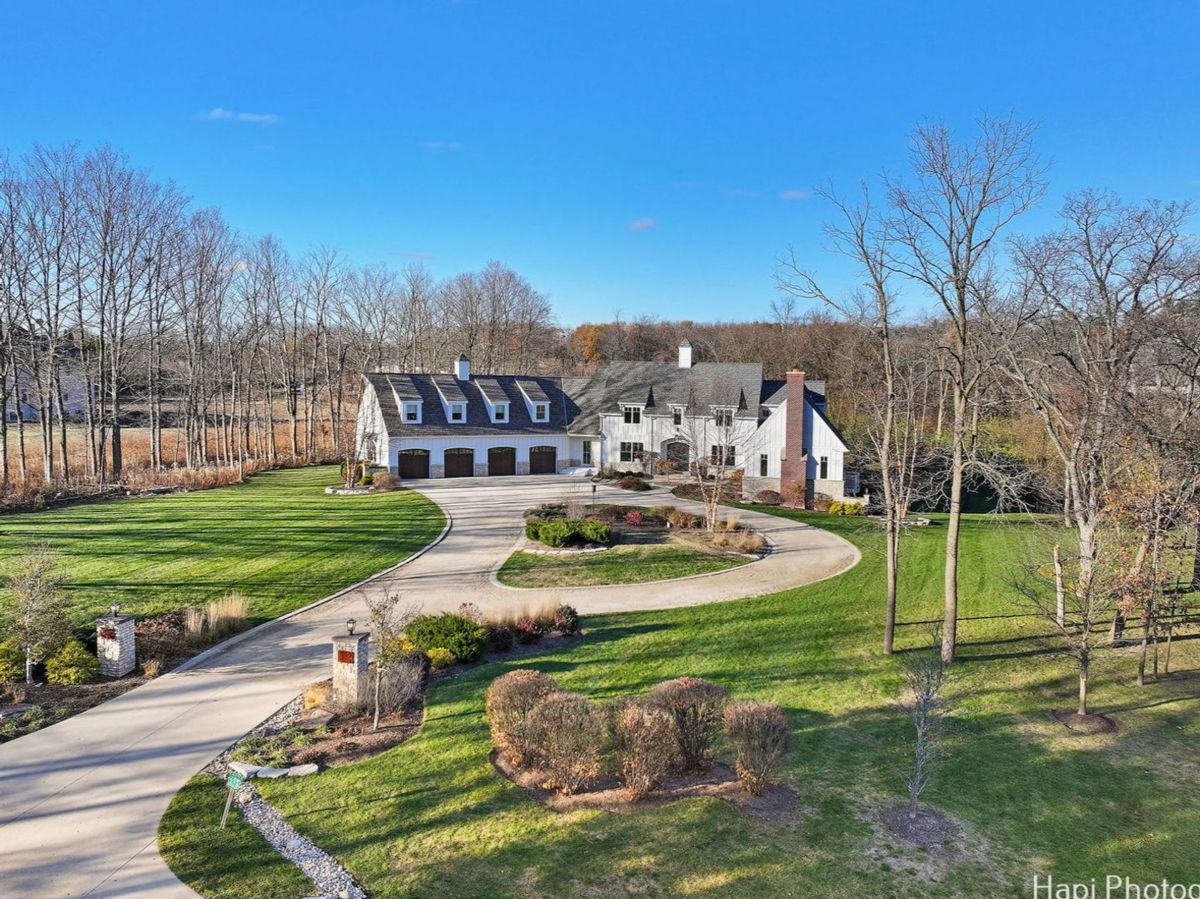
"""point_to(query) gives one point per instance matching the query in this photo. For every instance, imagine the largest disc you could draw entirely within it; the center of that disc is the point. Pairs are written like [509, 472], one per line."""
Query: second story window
[458, 412]
[541, 411]
[412, 413]
[677, 416]
[501, 413]
[633, 415]
[723, 418]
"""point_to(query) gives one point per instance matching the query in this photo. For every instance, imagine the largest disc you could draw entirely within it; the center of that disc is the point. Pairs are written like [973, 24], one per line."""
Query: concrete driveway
[80, 801]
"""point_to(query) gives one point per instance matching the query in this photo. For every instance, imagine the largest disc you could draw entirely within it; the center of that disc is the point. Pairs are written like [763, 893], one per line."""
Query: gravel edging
[331, 879]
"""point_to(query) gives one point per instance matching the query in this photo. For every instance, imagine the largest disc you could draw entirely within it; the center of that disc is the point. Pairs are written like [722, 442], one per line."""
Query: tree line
[1079, 346]
[124, 305]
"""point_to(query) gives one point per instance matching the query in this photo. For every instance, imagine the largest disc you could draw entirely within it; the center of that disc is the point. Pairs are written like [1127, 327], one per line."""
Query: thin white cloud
[646, 224]
[442, 146]
[221, 114]
[798, 193]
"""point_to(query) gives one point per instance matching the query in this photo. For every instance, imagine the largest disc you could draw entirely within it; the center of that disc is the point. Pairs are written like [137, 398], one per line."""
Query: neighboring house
[624, 416]
[21, 398]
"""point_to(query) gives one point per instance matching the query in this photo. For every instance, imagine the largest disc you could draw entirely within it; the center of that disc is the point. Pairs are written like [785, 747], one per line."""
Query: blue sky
[643, 157]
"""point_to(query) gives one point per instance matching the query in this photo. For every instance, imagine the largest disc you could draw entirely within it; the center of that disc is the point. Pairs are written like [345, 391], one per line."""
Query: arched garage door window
[502, 460]
[460, 462]
[543, 460]
[413, 463]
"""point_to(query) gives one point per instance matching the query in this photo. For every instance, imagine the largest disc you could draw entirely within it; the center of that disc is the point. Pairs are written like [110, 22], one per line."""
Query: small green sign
[234, 779]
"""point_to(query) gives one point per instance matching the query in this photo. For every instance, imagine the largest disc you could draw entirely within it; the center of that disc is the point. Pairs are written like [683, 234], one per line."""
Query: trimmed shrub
[646, 745]
[440, 657]
[510, 699]
[677, 518]
[566, 620]
[635, 517]
[630, 482]
[366, 480]
[558, 532]
[595, 531]
[566, 732]
[768, 497]
[696, 706]
[500, 637]
[461, 637]
[760, 734]
[846, 507]
[72, 664]
[385, 480]
[12, 661]
[528, 630]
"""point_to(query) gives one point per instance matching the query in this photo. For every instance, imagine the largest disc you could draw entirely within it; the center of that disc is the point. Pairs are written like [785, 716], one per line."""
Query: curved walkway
[82, 799]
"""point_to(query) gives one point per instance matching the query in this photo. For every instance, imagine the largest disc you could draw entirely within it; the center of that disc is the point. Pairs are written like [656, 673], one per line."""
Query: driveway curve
[82, 798]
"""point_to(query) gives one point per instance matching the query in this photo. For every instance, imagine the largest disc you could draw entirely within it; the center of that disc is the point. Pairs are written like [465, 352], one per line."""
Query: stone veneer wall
[117, 654]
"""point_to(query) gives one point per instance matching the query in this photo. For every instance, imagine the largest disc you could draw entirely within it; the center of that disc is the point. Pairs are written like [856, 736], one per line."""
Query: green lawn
[278, 539]
[432, 818]
[619, 565]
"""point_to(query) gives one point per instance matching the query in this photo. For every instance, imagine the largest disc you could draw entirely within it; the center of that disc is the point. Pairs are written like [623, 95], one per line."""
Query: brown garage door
[543, 460]
[502, 460]
[413, 463]
[460, 463]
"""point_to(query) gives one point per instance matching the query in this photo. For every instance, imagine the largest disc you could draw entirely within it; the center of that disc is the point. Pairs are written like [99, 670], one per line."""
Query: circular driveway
[82, 798]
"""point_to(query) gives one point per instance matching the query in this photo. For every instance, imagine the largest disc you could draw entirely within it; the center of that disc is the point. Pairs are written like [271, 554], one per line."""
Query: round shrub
[439, 658]
[635, 517]
[72, 664]
[500, 637]
[528, 630]
[510, 699]
[12, 661]
[463, 638]
[566, 734]
[646, 745]
[696, 706]
[768, 497]
[566, 620]
[760, 734]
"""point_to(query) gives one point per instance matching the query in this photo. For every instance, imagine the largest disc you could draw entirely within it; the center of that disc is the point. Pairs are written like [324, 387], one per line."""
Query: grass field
[277, 539]
[619, 565]
[432, 817]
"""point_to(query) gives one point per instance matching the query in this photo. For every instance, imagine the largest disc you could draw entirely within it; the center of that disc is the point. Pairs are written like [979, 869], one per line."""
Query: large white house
[462, 424]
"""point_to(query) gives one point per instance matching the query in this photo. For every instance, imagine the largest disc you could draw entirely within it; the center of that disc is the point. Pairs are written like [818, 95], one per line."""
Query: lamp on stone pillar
[351, 658]
[116, 644]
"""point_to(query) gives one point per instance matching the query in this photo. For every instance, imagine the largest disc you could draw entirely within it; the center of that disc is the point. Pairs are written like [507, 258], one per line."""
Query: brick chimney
[793, 471]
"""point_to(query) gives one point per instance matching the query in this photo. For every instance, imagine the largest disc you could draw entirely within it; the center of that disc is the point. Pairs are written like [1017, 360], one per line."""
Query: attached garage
[413, 463]
[543, 460]
[502, 460]
[460, 462]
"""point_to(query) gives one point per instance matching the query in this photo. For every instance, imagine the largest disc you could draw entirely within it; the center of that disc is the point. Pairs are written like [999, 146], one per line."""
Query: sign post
[233, 780]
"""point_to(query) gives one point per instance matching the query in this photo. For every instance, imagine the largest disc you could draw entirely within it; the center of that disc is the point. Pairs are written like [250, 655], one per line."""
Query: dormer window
[723, 418]
[458, 412]
[541, 411]
[677, 415]
[633, 414]
[500, 413]
[412, 413]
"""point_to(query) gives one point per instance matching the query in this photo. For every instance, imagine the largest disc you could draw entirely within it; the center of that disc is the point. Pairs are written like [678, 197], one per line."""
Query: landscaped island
[616, 544]
[434, 816]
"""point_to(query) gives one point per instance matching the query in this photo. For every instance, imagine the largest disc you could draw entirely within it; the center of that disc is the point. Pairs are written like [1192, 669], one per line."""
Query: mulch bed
[1085, 724]
[60, 701]
[930, 830]
[354, 739]
[778, 804]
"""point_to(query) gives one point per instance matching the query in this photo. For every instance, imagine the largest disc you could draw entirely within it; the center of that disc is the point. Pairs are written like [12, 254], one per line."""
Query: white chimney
[685, 354]
[462, 368]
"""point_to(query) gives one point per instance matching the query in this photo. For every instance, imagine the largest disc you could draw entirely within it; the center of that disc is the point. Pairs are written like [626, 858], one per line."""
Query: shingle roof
[433, 413]
[576, 403]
